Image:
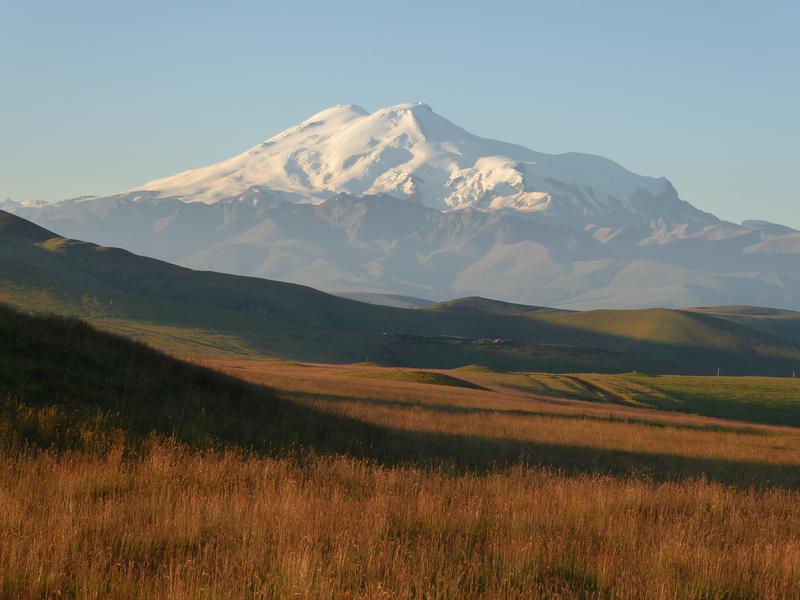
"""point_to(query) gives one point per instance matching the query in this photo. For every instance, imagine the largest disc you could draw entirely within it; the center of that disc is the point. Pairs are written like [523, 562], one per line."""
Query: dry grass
[176, 524]
[501, 414]
[496, 492]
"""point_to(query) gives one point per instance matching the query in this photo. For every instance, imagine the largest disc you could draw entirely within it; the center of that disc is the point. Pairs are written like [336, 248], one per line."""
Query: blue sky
[99, 97]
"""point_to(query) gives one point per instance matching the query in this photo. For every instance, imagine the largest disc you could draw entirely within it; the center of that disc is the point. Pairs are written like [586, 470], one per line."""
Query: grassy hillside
[781, 323]
[476, 305]
[178, 309]
[773, 400]
[67, 386]
[700, 342]
[695, 337]
[395, 300]
[125, 473]
[756, 399]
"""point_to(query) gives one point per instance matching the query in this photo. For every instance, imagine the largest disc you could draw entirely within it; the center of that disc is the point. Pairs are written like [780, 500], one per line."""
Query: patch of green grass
[768, 400]
[476, 369]
[550, 384]
[771, 400]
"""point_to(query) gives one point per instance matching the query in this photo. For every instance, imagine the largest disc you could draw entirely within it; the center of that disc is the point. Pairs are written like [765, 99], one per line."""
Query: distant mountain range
[402, 201]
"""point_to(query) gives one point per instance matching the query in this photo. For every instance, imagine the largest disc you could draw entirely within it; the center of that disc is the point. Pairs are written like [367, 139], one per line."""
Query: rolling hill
[783, 323]
[394, 300]
[184, 310]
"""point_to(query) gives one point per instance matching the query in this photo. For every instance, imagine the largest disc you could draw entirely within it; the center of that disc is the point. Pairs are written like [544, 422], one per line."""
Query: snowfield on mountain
[410, 152]
[402, 201]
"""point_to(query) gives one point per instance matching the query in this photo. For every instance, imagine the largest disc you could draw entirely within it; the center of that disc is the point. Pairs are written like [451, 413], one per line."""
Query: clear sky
[99, 97]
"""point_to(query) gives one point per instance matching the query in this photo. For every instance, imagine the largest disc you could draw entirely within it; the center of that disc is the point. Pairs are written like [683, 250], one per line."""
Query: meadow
[759, 399]
[174, 523]
[127, 473]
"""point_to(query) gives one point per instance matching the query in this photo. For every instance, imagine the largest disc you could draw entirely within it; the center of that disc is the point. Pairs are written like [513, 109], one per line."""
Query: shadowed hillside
[66, 385]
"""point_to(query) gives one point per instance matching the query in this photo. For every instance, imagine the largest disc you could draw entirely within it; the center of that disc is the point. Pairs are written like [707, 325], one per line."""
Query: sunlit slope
[661, 326]
[770, 400]
[703, 341]
[395, 300]
[664, 327]
[486, 306]
[694, 337]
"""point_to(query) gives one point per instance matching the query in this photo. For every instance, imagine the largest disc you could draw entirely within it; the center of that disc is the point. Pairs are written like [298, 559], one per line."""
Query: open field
[773, 400]
[502, 424]
[180, 524]
[127, 473]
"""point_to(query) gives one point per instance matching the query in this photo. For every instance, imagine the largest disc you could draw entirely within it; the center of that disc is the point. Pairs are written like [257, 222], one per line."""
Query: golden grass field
[512, 493]
[176, 524]
[545, 427]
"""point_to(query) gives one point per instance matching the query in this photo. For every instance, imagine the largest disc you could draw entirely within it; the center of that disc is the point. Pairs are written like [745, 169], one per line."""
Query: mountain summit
[410, 152]
[403, 201]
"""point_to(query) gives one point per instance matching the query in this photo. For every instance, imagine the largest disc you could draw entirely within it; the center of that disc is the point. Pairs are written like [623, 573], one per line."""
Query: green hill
[395, 300]
[752, 340]
[195, 312]
[694, 337]
[769, 400]
[478, 305]
[781, 323]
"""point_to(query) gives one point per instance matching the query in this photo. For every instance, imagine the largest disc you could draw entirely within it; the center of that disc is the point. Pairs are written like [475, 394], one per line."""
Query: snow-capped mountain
[410, 152]
[403, 201]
